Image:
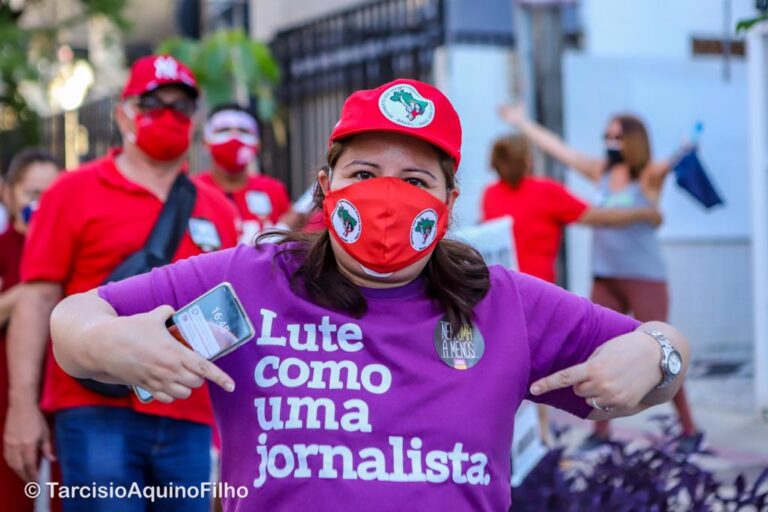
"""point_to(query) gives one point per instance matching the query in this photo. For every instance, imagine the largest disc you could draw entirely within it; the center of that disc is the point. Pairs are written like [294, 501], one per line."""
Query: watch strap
[666, 350]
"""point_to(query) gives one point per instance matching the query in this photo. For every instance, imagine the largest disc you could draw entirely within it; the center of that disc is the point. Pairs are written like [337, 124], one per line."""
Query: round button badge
[460, 350]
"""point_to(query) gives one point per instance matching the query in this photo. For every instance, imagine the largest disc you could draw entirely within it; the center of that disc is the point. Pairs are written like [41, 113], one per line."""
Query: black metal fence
[322, 62]
[97, 125]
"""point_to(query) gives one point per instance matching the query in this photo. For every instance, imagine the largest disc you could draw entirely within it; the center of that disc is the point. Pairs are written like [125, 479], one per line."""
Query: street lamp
[67, 92]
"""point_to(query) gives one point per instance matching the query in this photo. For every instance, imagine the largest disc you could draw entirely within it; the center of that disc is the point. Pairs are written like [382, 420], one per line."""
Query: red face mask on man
[385, 224]
[233, 140]
[162, 129]
[163, 134]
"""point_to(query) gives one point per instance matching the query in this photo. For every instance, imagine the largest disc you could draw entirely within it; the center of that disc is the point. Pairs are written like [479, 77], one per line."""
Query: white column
[758, 157]
[477, 79]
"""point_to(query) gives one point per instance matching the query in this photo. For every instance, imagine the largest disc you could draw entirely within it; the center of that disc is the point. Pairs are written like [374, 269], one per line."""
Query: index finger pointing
[562, 379]
[206, 369]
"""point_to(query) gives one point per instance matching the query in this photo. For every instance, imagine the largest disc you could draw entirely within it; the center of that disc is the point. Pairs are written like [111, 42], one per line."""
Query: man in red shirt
[232, 136]
[87, 224]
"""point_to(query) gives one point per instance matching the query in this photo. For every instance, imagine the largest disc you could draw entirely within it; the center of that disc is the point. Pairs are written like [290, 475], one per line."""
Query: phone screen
[212, 325]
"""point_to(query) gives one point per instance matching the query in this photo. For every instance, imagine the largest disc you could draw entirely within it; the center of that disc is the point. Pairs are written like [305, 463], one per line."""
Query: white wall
[655, 28]
[758, 118]
[477, 79]
[707, 252]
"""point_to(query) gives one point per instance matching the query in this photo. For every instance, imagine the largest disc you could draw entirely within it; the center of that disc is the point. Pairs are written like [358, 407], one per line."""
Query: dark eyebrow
[362, 162]
[422, 171]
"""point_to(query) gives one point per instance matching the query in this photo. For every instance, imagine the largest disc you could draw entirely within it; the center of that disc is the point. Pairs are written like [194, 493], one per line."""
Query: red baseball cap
[404, 106]
[152, 71]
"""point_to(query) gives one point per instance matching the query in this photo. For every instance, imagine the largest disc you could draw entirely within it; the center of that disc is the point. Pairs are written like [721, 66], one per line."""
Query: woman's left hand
[621, 376]
[514, 114]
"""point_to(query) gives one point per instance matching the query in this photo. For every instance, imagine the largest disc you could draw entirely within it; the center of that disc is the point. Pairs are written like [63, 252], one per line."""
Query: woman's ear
[324, 179]
[453, 195]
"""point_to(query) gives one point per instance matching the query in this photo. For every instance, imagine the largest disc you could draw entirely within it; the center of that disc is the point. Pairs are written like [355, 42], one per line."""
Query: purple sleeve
[563, 330]
[176, 284]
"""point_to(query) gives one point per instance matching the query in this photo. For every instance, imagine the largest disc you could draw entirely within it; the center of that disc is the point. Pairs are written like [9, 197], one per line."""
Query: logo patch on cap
[346, 221]
[166, 68]
[402, 104]
[423, 229]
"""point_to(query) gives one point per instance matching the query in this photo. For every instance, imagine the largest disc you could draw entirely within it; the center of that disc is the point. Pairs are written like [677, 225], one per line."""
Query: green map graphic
[424, 226]
[347, 219]
[413, 106]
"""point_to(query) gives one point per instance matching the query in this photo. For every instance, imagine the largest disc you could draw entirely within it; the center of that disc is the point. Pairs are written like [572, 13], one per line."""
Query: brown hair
[21, 161]
[456, 276]
[511, 158]
[636, 145]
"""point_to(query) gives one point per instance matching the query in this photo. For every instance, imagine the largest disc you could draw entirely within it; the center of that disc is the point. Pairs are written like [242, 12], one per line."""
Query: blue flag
[691, 176]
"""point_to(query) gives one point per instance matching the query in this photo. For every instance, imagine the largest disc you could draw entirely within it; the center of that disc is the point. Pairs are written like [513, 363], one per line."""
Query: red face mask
[385, 224]
[163, 134]
[233, 155]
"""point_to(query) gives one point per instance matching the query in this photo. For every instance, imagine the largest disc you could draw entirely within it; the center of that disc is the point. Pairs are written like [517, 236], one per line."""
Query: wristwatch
[671, 360]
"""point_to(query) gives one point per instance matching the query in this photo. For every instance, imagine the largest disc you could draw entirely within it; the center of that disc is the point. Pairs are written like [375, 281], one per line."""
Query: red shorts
[646, 300]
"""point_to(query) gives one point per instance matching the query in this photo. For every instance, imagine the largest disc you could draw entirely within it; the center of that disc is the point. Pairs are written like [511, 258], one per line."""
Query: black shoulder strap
[170, 226]
[166, 234]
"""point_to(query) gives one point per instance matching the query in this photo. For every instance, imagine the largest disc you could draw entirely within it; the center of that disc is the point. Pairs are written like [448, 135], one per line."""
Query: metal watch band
[666, 350]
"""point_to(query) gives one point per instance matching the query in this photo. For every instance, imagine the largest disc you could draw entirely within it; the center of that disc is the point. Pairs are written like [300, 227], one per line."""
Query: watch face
[674, 363]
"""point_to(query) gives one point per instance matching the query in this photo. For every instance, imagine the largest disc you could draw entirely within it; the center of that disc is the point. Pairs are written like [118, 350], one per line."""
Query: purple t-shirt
[337, 413]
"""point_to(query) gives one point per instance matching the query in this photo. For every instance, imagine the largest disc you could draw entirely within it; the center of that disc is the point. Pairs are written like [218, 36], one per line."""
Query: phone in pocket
[212, 325]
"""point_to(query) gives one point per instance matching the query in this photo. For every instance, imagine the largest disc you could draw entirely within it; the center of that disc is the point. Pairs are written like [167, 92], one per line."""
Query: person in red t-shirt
[88, 223]
[541, 207]
[232, 136]
[30, 172]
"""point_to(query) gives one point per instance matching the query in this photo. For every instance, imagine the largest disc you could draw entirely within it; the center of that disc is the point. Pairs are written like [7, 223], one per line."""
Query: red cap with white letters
[153, 71]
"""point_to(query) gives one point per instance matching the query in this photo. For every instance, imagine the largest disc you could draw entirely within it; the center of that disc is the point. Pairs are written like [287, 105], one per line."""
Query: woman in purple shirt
[388, 362]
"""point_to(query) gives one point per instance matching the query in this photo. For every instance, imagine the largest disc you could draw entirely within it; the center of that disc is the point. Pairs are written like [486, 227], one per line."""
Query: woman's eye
[416, 181]
[363, 175]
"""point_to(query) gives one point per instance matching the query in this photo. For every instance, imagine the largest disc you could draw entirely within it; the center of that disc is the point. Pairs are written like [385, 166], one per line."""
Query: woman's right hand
[513, 114]
[139, 350]
[25, 438]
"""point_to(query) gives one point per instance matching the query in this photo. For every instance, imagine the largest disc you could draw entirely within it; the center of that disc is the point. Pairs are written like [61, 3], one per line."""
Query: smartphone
[212, 325]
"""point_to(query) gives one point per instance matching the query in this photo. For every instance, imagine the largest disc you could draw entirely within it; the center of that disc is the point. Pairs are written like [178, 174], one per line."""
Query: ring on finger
[593, 402]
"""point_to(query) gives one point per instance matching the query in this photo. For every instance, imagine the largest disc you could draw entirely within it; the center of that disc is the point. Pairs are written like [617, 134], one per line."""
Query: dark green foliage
[658, 477]
[229, 67]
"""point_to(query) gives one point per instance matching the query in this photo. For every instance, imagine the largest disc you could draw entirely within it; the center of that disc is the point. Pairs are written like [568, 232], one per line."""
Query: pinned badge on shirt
[204, 234]
[258, 203]
[460, 350]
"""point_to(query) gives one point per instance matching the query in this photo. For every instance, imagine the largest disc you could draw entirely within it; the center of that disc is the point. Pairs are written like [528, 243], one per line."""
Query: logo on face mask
[423, 230]
[402, 104]
[346, 221]
[245, 154]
